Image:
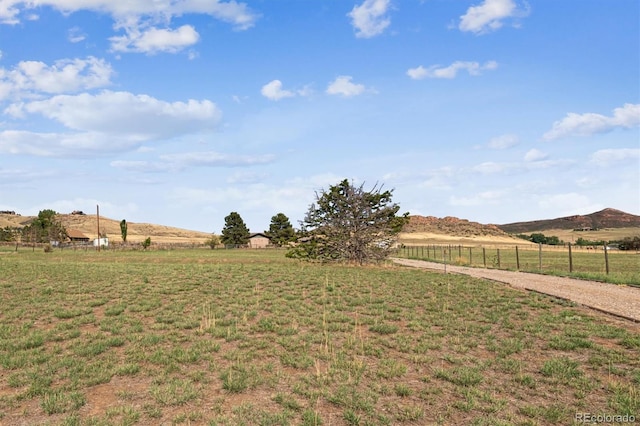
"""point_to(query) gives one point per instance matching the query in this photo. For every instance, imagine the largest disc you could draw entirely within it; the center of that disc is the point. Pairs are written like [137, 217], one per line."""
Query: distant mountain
[607, 218]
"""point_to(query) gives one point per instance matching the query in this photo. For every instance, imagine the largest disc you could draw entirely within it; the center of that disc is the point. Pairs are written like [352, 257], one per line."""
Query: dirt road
[619, 300]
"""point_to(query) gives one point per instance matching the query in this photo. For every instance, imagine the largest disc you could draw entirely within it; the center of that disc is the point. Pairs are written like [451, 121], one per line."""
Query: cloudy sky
[178, 112]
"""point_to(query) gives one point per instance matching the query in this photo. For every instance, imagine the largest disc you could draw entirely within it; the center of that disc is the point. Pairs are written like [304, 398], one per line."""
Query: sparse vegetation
[213, 241]
[146, 243]
[250, 337]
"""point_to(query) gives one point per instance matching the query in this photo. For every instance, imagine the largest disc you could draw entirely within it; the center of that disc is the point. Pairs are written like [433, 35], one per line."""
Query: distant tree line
[540, 238]
[628, 243]
[44, 228]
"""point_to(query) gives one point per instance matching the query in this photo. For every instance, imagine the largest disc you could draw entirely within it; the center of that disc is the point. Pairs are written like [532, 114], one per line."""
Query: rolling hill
[136, 232]
[451, 230]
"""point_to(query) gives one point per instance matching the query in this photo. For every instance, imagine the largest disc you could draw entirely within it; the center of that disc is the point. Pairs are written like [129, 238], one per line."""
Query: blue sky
[177, 112]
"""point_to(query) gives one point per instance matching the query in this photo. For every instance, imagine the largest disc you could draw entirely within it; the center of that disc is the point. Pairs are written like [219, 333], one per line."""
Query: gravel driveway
[620, 300]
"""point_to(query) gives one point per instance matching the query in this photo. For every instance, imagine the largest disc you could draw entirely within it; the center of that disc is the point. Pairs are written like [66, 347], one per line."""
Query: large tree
[348, 223]
[44, 228]
[280, 230]
[235, 232]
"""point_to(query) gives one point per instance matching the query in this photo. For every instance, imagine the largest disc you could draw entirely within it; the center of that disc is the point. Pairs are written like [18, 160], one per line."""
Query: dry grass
[224, 337]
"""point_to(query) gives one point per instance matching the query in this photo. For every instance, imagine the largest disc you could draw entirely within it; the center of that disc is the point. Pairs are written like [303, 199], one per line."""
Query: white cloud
[436, 71]
[607, 157]
[216, 159]
[75, 35]
[483, 198]
[144, 166]
[179, 162]
[21, 175]
[568, 204]
[369, 19]
[63, 144]
[105, 123]
[291, 196]
[503, 141]
[343, 86]
[243, 177]
[273, 90]
[417, 73]
[140, 117]
[626, 117]
[535, 155]
[489, 16]
[153, 40]
[232, 12]
[490, 167]
[441, 178]
[65, 75]
[140, 19]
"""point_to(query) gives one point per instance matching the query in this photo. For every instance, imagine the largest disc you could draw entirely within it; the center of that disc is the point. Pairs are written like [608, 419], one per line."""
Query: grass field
[244, 337]
[624, 266]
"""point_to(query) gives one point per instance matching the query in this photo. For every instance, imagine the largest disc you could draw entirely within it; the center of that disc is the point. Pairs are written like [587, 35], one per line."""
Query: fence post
[498, 251]
[540, 256]
[422, 252]
[484, 256]
[470, 258]
[606, 257]
[459, 250]
[444, 258]
[517, 259]
[570, 259]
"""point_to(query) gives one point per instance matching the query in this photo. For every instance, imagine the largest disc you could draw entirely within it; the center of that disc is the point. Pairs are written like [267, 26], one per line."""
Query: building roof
[259, 234]
[73, 233]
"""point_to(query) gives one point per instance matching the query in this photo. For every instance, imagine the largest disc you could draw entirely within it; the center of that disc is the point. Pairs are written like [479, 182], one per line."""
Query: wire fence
[569, 259]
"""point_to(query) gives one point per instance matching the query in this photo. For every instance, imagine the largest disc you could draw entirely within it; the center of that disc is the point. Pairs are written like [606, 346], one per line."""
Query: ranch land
[242, 337]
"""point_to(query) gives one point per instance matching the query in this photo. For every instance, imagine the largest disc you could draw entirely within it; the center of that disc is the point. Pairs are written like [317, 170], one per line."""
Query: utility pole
[98, 216]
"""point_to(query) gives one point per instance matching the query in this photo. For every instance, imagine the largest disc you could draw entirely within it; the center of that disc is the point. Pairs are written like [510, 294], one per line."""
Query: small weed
[127, 415]
[60, 402]
[235, 379]
[351, 417]
[561, 368]
[389, 368]
[384, 328]
[175, 392]
[287, 402]
[462, 376]
[114, 310]
[311, 418]
[402, 390]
